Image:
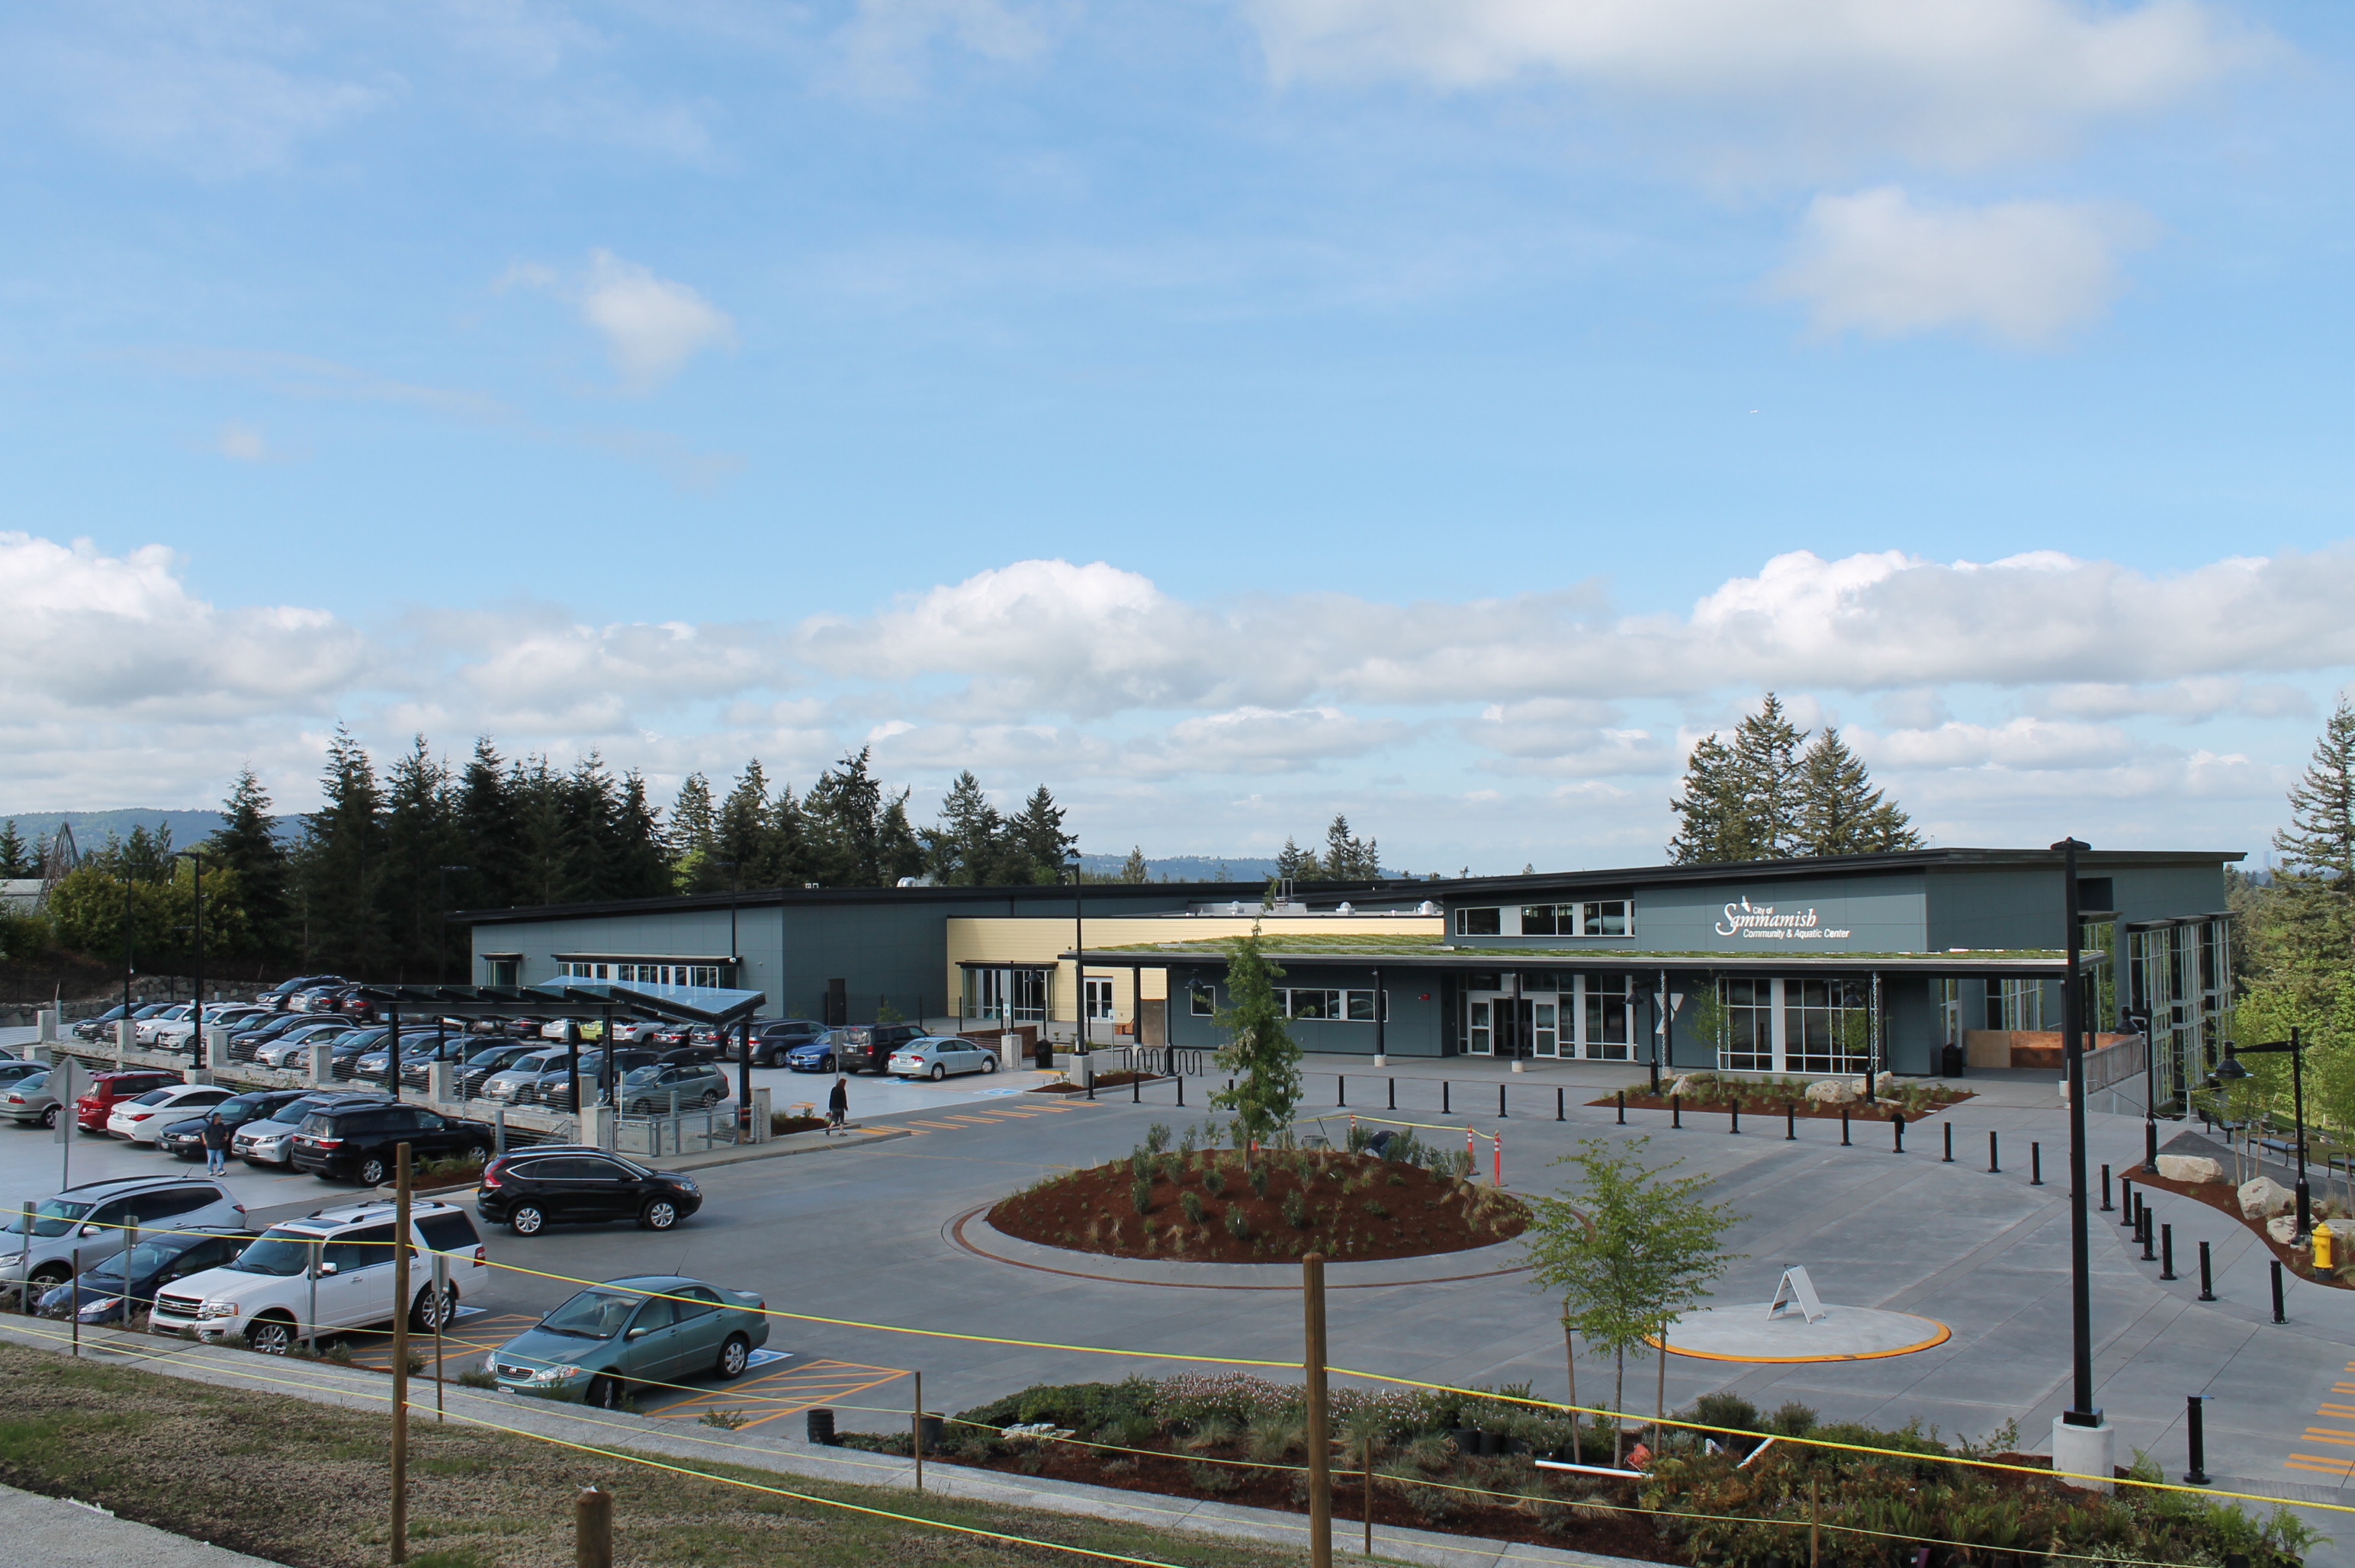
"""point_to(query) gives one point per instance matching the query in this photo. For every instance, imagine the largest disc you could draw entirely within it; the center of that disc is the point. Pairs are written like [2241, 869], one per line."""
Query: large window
[1350, 1007]
[2016, 1005]
[1748, 1043]
[1479, 921]
[1610, 1021]
[1202, 1000]
[647, 972]
[1549, 920]
[1605, 917]
[1012, 996]
[1827, 1026]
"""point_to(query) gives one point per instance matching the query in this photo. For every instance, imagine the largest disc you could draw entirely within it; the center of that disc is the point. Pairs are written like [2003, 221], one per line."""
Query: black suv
[867, 1048]
[773, 1037]
[357, 1141]
[530, 1190]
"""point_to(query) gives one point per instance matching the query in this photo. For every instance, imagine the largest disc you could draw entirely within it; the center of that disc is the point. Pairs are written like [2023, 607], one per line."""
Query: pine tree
[963, 849]
[845, 811]
[640, 851]
[2320, 838]
[741, 834]
[1347, 857]
[1295, 864]
[784, 861]
[16, 861]
[421, 836]
[247, 843]
[1036, 848]
[1260, 1053]
[1766, 767]
[341, 863]
[545, 851]
[1841, 813]
[490, 828]
[1134, 868]
[1711, 823]
[692, 824]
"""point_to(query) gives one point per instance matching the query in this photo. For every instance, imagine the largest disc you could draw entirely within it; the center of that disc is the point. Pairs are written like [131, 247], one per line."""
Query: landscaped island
[1224, 1205]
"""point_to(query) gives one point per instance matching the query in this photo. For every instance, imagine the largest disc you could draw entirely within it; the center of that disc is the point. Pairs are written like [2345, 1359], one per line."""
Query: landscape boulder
[2264, 1197]
[1832, 1092]
[2190, 1167]
[1693, 1085]
[2283, 1228]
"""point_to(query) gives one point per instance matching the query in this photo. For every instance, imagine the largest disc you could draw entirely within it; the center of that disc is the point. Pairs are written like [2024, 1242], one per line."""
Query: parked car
[938, 1056]
[555, 1085]
[143, 1027]
[281, 996]
[244, 1042]
[271, 1141]
[643, 1328]
[92, 1217]
[126, 1282]
[356, 1143]
[96, 1103]
[552, 1183]
[486, 1060]
[176, 1034]
[330, 1269]
[636, 1031]
[29, 1100]
[13, 1073]
[100, 1026]
[659, 1087]
[419, 1044]
[867, 1048]
[517, 1083]
[292, 1050]
[186, 1137]
[573, 1028]
[142, 1117]
[774, 1040]
[817, 1056]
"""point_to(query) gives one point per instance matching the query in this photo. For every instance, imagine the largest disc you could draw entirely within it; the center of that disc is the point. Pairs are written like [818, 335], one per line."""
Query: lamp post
[2230, 1070]
[442, 902]
[130, 911]
[744, 1044]
[197, 923]
[1079, 960]
[2090, 1455]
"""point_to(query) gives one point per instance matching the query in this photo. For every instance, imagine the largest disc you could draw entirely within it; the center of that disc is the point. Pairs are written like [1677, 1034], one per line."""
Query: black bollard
[2198, 1433]
[1995, 1161]
[2150, 1145]
[1733, 1118]
[2207, 1275]
[1445, 1107]
[2166, 1251]
[2127, 1199]
[1092, 1086]
[1843, 1126]
[1393, 1095]
[1136, 1091]
[2149, 1238]
[1675, 1110]
[2105, 1189]
[2035, 1165]
[1790, 1121]
[1622, 1107]
[1181, 1094]
[2279, 1315]
[1557, 1115]
[1341, 1089]
[1500, 1102]
[1948, 1158]
[1897, 1126]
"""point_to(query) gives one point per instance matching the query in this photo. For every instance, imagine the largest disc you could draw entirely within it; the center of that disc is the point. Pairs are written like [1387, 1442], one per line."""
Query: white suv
[333, 1270]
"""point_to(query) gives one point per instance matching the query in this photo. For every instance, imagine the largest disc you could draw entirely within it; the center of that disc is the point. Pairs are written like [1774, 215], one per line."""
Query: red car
[107, 1089]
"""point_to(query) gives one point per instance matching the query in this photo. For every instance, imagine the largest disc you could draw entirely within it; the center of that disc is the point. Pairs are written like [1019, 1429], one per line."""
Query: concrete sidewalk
[52, 1530]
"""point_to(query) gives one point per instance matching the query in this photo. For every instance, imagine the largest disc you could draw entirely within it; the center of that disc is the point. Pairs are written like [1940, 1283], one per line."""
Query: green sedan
[651, 1328]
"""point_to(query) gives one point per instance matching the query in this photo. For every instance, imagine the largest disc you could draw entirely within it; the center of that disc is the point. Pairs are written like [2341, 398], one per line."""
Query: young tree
[1260, 1053]
[1839, 811]
[692, 823]
[1348, 858]
[247, 843]
[1628, 1248]
[1295, 864]
[2320, 841]
[17, 860]
[1134, 868]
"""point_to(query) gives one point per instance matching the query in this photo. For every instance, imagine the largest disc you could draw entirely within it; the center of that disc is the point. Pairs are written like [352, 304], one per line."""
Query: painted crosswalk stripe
[2343, 1469]
[2329, 1435]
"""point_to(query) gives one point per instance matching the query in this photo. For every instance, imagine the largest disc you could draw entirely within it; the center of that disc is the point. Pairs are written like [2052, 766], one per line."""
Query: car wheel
[51, 1275]
[374, 1171]
[712, 1097]
[989, 1064]
[479, 1153]
[826, 1064]
[938, 1072]
[642, 1107]
[271, 1336]
[659, 1214]
[604, 1394]
[525, 1219]
[734, 1357]
[49, 1116]
[430, 1309]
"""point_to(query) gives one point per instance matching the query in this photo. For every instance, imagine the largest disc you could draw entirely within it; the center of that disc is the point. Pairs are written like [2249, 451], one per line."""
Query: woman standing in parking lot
[837, 1104]
[216, 1140]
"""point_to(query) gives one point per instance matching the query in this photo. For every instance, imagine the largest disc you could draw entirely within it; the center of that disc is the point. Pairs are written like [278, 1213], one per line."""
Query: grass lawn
[308, 1485]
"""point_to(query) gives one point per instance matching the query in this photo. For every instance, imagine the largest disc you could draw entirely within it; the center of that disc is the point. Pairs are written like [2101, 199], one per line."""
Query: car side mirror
[91, 1231]
[325, 1269]
[639, 1333]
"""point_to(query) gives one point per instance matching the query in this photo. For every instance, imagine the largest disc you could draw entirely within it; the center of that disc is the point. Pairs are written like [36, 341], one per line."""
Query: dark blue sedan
[126, 1282]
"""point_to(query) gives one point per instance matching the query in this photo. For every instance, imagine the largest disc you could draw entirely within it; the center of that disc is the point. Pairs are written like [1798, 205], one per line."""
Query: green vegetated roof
[1380, 944]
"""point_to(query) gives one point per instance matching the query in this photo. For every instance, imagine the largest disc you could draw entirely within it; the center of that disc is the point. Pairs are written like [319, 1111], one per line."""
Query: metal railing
[1160, 1060]
[691, 1130]
[2113, 1064]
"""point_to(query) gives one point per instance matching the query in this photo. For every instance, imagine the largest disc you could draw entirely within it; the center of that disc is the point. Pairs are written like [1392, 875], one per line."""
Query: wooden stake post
[401, 1354]
[1320, 1447]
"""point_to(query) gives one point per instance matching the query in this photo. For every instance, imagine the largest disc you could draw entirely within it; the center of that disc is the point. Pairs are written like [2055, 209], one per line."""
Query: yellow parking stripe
[2342, 1411]
[2326, 1435]
[2343, 1469]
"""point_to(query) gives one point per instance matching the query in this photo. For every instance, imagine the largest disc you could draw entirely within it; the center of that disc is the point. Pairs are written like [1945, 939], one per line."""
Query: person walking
[215, 1137]
[837, 1105]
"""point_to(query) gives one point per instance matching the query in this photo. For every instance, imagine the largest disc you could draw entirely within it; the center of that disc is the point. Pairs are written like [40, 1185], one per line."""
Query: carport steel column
[2081, 1411]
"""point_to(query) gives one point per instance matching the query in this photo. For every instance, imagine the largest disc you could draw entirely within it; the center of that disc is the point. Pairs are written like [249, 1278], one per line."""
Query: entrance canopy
[675, 1004]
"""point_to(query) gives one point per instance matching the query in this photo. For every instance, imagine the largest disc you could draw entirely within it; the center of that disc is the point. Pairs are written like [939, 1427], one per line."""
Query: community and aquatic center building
[1833, 965]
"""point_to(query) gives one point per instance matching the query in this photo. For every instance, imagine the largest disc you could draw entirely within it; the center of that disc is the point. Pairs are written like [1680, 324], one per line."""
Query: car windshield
[490, 1058]
[153, 1096]
[239, 1107]
[592, 1315]
[149, 1257]
[296, 1111]
[36, 1080]
[643, 1073]
[54, 1218]
[284, 1253]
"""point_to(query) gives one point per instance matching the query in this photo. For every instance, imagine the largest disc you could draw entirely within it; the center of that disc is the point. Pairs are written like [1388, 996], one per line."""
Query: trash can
[821, 1425]
[1950, 1061]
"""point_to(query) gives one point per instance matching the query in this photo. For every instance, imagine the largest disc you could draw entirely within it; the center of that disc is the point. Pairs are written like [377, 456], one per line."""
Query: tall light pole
[744, 1044]
[2090, 1454]
[2230, 1069]
[442, 906]
[1079, 960]
[197, 923]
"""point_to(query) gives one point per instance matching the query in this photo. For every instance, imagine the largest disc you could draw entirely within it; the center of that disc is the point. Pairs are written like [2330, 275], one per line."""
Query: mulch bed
[2222, 1197]
[1876, 1110]
[1352, 1208]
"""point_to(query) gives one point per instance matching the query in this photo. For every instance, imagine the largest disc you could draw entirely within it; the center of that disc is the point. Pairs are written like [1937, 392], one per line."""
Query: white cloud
[653, 326]
[1957, 81]
[885, 42]
[2025, 272]
[243, 443]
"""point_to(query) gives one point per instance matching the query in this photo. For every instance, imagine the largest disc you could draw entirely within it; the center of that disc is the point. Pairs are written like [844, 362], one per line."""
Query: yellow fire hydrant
[2322, 1249]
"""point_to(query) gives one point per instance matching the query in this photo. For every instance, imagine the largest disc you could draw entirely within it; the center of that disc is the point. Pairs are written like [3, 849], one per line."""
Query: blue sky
[1227, 414]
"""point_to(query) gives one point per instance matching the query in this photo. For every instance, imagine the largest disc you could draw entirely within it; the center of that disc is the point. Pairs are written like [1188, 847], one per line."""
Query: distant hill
[90, 827]
[1192, 868]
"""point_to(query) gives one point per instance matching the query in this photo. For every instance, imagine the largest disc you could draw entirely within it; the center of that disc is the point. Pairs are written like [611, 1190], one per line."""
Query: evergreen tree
[16, 861]
[1766, 767]
[641, 853]
[2320, 838]
[1347, 857]
[490, 828]
[897, 847]
[1134, 868]
[845, 812]
[546, 852]
[1036, 848]
[421, 836]
[1840, 811]
[341, 863]
[785, 859]
[593, 829]
[693, 822]
[248, 844]
[741, 835]
[963, 849]
[1295, 864]
[1260, 1053]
